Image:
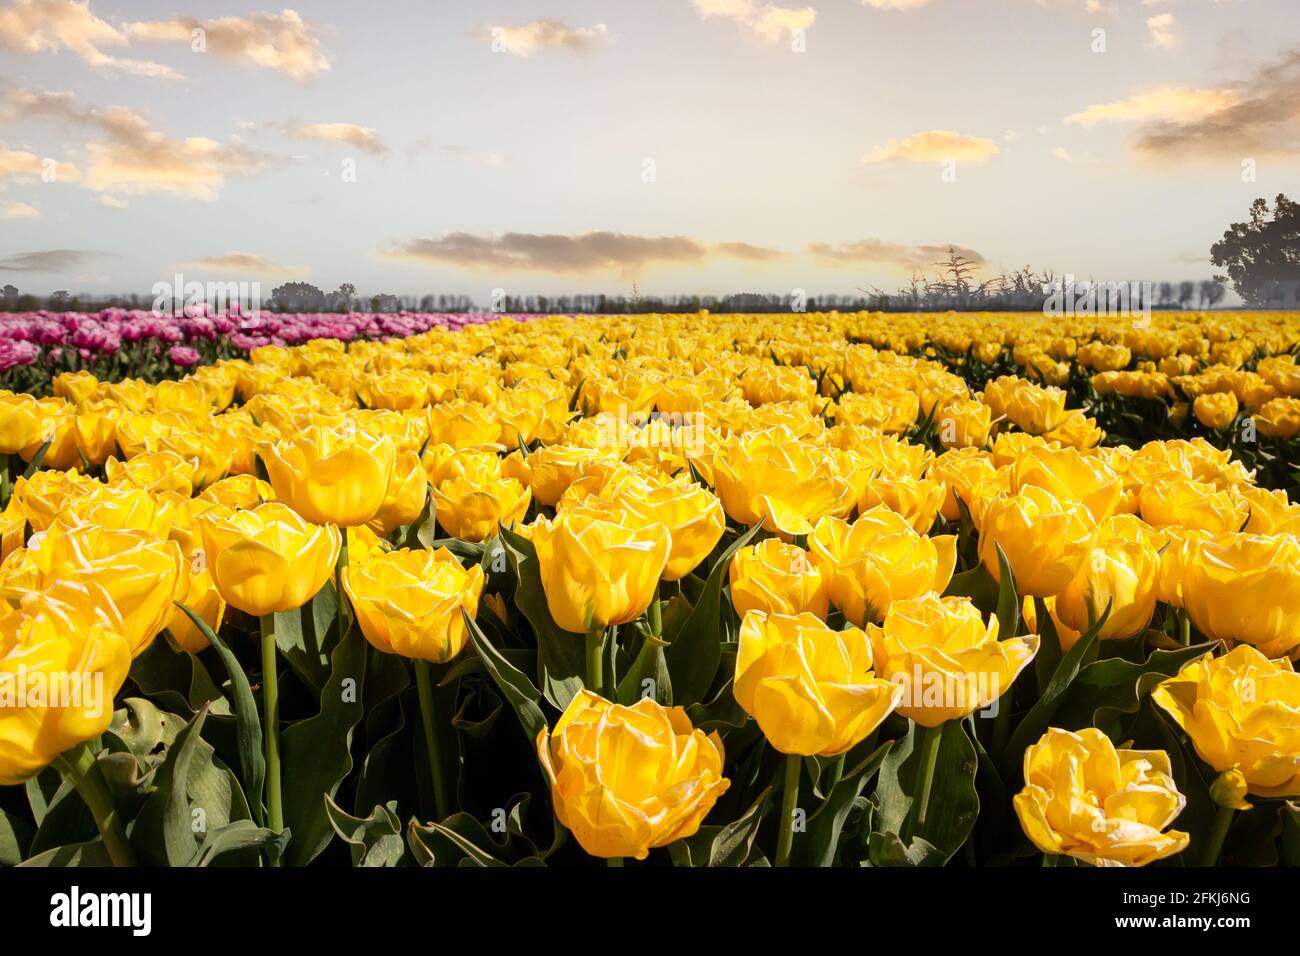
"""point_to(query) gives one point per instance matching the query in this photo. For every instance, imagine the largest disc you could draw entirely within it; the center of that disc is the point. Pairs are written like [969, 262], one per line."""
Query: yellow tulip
[120, 507]
[785, 483]
[1245, 588]
[43, 497]
[1045, 540]
[777, 578]
[140, 575]
[61, 665]
[13, 527]
[878, 559]
[409, 602]
[549, 471]
[1124, 575]
[408, 488]
[1217, 410]
[238, 491]
[965, 424]
[916, 499]
[596, 569]
[1196, 505]
[1070, 475]
[810, 688]
[948, 662]
[1087, 799]
[627, 779]
[333, 476]
[959, 470]
[693, 517]
[473, 510]
[1241, 712]
[152, 471]
[267, 559]
[463, 424]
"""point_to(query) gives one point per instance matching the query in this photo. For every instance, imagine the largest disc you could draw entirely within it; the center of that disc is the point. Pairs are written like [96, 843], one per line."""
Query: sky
[684, 146]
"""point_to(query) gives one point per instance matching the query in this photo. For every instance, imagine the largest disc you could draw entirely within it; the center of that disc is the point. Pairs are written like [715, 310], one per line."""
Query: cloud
[768, 21]
[568, 254]
[50, 26]
[18, 210]
[51, 260]
[748, 252]
[358, 137]
[243, 263]
[24, 166]
[1164, 30]
[1061, 153]
[878, 252]
[1172, 103]
[545, 35]
[284, 42]
[934, 146]
[134, 158]
[1259, 115]
[112, 202]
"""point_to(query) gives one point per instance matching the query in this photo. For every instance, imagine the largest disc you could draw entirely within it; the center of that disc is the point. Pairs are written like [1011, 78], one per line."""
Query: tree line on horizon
[1259, 259]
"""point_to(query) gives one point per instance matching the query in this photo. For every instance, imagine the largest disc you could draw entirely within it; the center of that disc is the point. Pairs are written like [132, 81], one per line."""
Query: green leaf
[15, 837]
[1049, 655]
[976, 584]
[90, 853]
[1008, 599]
[1035, 723]
[163, 834]
[248, 727]
[38, 459]
[305, 637]
[1107, 689]
[818, 846]
[519, 690]
[650, 664]
[236, 838]
[695, 650]
[954, 801]
[560, 660]
[317, 752]
[734, 843]
[375, 840]
[176, 679]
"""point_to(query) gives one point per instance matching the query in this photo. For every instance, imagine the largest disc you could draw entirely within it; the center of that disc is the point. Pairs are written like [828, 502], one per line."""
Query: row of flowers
[725, 573]
[35, 346]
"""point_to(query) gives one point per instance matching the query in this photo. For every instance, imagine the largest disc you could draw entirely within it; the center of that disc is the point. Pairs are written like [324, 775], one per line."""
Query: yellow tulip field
[699, 590]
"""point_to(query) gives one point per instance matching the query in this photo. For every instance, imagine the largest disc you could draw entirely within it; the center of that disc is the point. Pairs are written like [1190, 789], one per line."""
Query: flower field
[702, 590]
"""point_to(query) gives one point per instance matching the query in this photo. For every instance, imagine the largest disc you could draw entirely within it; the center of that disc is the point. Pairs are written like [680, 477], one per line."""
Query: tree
[297, 297]
[1262, 256]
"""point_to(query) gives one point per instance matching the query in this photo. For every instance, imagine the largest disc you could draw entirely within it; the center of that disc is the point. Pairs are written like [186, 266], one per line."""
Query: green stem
[931, 738]
[424, 685]
[1184, 627]
[1214, 848]
[271, 735]
[338, 583]
[654, 616]
[79, 766]
[595, 668]
[614, 861]
[789, 803]
[1050, 859]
